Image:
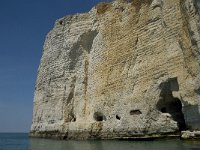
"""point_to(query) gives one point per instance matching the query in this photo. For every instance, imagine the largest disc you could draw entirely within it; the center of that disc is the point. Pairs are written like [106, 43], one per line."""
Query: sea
[21, 141]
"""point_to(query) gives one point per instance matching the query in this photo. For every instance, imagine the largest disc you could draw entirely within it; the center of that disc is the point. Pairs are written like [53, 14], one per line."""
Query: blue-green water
[20, 141]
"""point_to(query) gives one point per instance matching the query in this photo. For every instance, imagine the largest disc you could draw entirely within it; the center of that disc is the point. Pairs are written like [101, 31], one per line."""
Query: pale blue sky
[23, 27]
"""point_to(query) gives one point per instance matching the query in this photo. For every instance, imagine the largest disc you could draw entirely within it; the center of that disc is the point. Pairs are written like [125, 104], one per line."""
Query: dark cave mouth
[98, 116]
[169, 104]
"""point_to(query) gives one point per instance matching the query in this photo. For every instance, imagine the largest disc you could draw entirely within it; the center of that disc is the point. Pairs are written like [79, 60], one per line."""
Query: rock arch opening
[170, 104]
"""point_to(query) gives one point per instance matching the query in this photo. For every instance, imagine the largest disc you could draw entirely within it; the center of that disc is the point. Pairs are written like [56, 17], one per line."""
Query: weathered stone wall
[126, 69]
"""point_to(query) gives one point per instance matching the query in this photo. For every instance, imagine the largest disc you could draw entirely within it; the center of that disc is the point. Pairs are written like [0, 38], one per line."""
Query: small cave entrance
[169, 104]
[98, 116]
[118, 117]
[135, 112]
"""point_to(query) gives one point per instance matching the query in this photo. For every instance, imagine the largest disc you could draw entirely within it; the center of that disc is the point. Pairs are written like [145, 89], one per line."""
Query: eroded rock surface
[190, 135]
[126, 69]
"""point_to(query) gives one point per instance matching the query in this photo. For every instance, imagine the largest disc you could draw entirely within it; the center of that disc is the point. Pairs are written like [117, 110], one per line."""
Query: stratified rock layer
[127, 69]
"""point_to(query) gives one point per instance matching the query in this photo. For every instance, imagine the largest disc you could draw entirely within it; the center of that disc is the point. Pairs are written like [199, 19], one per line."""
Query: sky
[23, 27]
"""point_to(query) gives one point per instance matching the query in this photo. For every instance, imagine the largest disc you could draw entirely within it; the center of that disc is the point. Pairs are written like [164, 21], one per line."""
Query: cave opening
[118, 117]
[98, 116]
[170, 104]
[135, 112]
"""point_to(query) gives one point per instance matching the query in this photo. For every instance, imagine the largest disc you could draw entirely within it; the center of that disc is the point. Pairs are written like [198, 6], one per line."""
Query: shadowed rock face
[127, 69]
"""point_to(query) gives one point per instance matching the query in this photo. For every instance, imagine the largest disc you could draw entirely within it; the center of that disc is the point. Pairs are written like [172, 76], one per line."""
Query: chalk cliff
[126, 69]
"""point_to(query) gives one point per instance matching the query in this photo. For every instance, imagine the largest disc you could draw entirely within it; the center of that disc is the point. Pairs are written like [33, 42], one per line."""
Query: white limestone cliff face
[127, 69]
